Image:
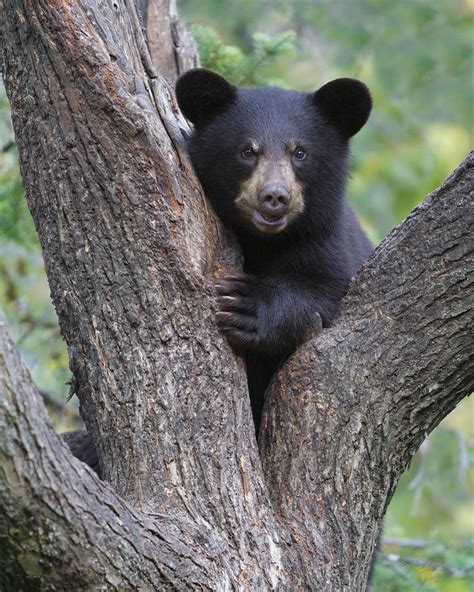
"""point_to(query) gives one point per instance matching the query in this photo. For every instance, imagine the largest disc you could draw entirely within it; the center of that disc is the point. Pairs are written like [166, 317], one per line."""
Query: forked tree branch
[130, 247]
[60, 526]
[348, 411]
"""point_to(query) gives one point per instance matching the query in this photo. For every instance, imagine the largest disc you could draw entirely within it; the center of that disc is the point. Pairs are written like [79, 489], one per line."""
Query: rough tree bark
[130, 247]
[172, 48]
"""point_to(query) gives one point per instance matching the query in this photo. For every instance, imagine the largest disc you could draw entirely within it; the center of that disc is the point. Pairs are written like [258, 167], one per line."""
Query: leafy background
[416, 57]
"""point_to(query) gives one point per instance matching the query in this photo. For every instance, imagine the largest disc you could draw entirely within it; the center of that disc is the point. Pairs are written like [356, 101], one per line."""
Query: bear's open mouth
[270, 220]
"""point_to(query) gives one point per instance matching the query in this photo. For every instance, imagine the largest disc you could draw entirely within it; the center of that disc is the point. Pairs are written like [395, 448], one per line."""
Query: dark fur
[81, 445]
[306, 268]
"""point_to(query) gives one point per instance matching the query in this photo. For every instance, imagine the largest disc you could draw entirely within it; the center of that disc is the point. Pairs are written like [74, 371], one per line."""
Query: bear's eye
[299, 154]
[248, 153]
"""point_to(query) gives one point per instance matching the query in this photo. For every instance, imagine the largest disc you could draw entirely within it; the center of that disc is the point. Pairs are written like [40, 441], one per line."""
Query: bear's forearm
[288, 319]
[271, 317]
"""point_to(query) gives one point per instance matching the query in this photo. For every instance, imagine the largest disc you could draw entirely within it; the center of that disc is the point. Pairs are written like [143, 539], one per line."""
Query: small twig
[33, 324]
[8, 146]
[463, 455]
[454, 571]
[406, 542]
[262, 59]
[424, 543]
[58, 407]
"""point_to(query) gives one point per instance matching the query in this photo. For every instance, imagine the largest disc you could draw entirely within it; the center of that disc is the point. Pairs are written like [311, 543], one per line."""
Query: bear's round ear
[202, 95]
[346, 102]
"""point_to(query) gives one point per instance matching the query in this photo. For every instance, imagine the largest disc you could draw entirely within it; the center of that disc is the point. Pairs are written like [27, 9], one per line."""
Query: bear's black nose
[274, 198]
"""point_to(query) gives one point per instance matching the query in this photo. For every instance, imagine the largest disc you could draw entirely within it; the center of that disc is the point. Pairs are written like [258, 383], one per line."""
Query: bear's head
[272, 161]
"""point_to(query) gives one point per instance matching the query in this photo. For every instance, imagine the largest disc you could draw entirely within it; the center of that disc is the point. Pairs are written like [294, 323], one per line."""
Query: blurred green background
[417, 59]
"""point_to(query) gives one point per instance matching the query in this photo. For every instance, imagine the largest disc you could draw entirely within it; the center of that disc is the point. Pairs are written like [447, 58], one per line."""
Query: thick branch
[129, 243]
[349, 410]
[60, 524]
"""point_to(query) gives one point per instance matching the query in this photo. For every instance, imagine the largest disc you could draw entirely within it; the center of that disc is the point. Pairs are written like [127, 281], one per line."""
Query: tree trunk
[172, 48]
[130, 247]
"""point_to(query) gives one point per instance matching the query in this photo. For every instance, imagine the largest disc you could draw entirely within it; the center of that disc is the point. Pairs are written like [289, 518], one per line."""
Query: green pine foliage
[240, 67]
[15, 220]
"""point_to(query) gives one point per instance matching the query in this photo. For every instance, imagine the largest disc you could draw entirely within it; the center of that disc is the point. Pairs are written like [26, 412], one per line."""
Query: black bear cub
[274, 164]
